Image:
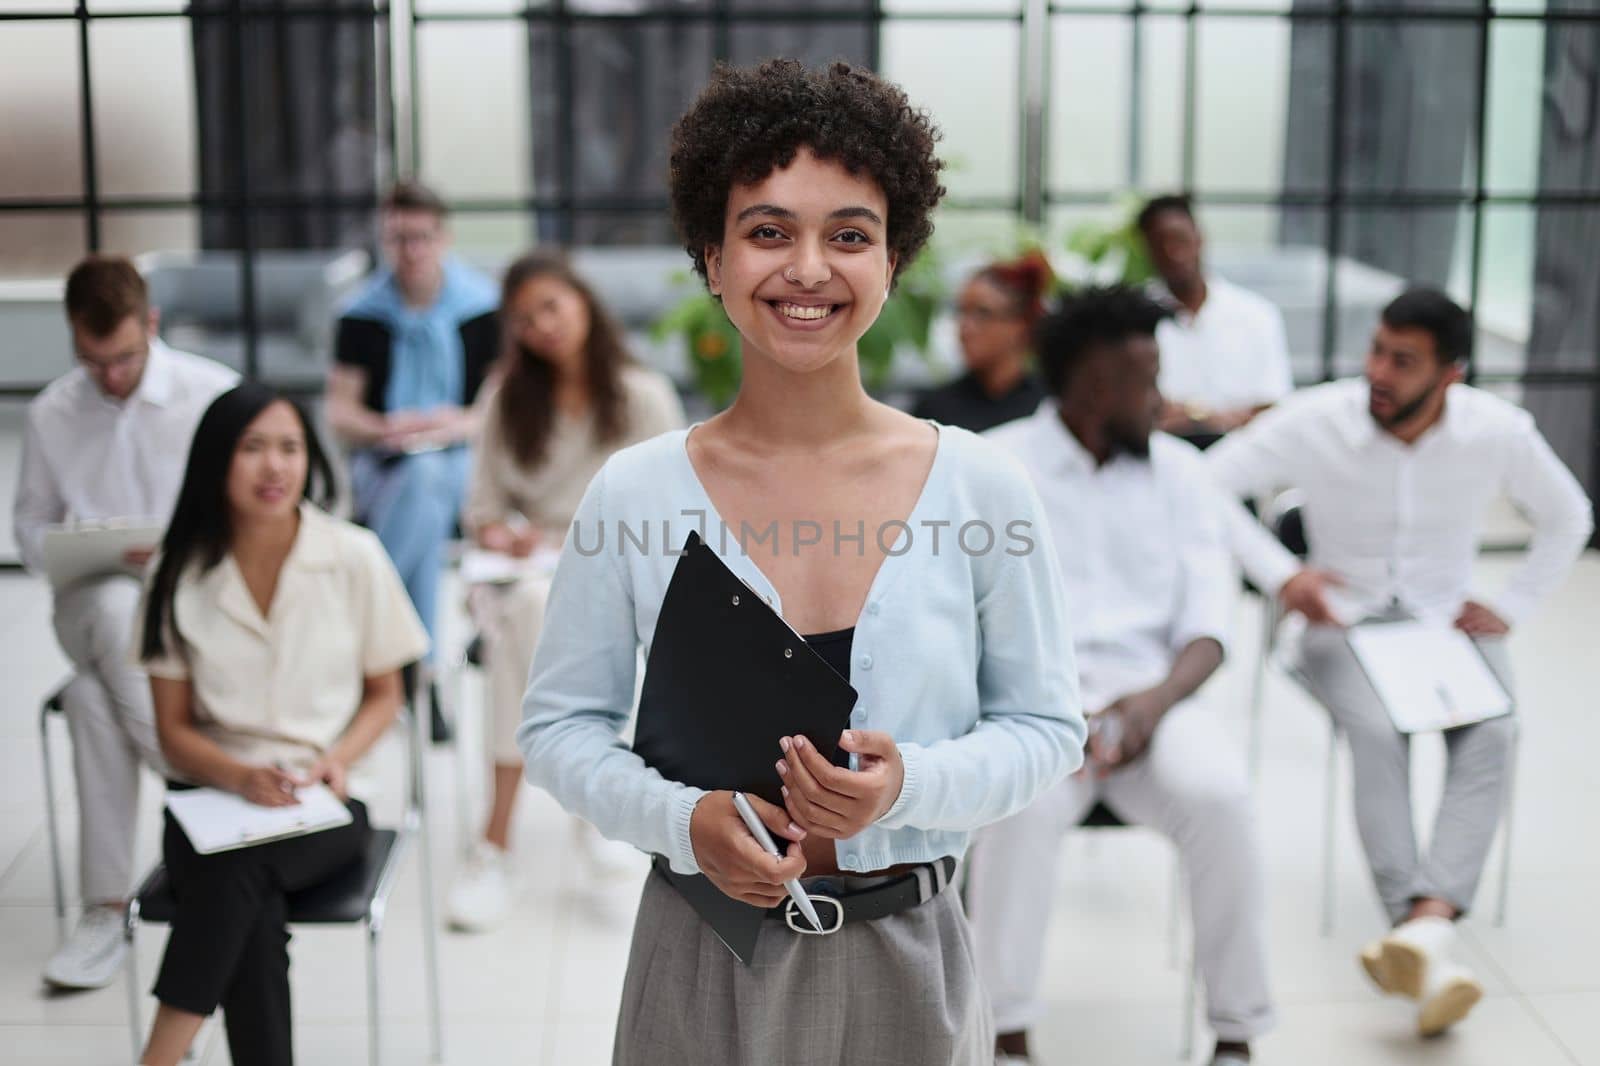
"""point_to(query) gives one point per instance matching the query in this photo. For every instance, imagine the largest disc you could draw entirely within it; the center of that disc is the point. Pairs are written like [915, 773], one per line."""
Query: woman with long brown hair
[567, 396]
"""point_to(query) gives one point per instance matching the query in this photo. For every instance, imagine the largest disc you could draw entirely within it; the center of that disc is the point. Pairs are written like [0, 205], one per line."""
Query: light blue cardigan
[962, 654]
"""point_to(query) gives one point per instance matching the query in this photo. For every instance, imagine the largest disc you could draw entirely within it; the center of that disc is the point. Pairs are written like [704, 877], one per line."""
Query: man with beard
[1398, 471]
[1137, 527]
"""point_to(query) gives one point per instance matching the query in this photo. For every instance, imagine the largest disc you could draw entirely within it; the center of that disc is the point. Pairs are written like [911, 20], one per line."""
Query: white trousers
[112, 723]
[511, 618]
[1190, 785]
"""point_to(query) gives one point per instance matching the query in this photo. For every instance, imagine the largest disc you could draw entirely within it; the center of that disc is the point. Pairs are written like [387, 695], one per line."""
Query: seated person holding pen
[915, 554]
[105, 441]
[414, 346]
[273, 635]
[1139, 536]
[1398, 471]
[568, 396]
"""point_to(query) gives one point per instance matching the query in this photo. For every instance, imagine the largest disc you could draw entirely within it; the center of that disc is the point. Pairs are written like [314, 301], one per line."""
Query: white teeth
[808, 313]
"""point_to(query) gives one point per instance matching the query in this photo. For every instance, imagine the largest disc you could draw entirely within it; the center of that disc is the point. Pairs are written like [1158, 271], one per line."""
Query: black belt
[839, 902]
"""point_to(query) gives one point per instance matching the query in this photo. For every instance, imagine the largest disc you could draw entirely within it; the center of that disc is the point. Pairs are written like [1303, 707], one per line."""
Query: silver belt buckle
[800, 924]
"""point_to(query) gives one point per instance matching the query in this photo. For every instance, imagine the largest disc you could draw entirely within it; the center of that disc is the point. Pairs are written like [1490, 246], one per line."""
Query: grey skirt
[900, 991]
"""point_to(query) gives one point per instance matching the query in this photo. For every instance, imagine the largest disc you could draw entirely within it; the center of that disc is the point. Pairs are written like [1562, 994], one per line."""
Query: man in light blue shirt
[414, 346]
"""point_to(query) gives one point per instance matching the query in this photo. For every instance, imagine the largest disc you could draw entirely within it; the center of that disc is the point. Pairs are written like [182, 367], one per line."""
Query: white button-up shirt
[1144, 561]
[1400, 523]
[283, 686]
[86, 456]
[1232, 353]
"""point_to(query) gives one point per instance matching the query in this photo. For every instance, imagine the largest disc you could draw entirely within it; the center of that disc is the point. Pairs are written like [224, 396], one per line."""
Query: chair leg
[1269, 626]
[1329, 830]
[130, 930]
[1175, 912]
[1190, 996]
[430, 940]
[1506, 833]
[53, 829]
[466, 809]
[374, 1050]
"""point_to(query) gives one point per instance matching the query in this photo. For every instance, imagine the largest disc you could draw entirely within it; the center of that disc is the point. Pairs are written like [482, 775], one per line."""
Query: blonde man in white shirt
[1224, 351]
[107, 440]
[1136, 525]
[1398, 471]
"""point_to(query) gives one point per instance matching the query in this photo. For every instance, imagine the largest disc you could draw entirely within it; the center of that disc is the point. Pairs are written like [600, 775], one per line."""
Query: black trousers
[229, 945]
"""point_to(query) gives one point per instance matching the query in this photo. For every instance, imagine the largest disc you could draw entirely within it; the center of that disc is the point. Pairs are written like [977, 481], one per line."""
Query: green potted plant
[1116, 246]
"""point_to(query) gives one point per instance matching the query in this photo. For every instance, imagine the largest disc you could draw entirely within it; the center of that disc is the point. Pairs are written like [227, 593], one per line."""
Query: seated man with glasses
[995, 314]
[413, 348]
[107, 440]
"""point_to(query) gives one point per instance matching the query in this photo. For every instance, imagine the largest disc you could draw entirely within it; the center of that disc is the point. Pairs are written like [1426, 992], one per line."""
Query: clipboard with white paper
[82, 550]
[215, 821]
[1429, 676]
[482, 567]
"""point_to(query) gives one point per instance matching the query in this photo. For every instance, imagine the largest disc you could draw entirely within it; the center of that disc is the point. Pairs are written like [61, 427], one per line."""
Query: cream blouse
[547, 495]
[283, 687]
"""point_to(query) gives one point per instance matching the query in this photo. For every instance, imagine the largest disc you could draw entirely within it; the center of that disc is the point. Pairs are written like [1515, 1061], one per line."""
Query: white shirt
[1400, 523]
[284, 686]
[1142, 553]
[86, 456]
[1233, 353]
[961, 652]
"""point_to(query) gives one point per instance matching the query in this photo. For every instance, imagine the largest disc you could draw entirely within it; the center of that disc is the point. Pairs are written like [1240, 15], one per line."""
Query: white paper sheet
[215, 821]
[76, 552]
[1429, 676]
[479, 567]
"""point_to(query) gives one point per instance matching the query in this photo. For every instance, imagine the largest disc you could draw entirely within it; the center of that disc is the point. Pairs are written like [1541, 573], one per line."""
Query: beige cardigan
[547, 495]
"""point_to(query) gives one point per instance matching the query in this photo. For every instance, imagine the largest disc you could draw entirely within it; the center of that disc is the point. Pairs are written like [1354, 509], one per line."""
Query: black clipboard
[725, 679]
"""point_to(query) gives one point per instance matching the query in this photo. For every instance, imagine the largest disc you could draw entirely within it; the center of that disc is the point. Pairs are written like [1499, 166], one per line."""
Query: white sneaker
[1451, 991]
[93, 953]
[480, 898]
[1399, 963]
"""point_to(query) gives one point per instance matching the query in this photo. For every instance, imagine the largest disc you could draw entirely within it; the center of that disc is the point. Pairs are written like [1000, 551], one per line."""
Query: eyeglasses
[410, 238]
[984, 315]
[101, 368]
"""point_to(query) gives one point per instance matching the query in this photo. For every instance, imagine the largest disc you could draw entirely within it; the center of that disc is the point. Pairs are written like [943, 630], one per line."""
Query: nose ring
[789, 275]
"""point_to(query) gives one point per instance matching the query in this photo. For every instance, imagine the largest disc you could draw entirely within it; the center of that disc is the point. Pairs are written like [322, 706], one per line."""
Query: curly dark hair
[750, 121]
[1086, 319]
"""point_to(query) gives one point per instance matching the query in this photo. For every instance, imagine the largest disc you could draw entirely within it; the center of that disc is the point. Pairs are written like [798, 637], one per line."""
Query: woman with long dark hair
[995, 315]
[273, 635]
[568, 395]
[914, 555]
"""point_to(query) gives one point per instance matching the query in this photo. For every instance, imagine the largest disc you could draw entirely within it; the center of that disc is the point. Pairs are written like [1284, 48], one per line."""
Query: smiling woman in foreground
[800, 195]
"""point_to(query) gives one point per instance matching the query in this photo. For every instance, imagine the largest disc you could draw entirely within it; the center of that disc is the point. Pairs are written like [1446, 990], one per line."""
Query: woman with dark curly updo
[916, 557]
[995, 316]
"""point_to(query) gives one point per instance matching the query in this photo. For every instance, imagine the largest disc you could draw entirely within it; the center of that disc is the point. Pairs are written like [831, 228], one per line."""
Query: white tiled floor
[544, 990]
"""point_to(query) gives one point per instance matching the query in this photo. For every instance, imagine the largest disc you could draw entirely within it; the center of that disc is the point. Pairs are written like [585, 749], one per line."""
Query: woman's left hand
[331, 772]
[835, 803]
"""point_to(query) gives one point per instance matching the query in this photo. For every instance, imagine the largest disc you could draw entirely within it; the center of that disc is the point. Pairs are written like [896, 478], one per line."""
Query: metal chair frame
[414, 826]
[1273, 515]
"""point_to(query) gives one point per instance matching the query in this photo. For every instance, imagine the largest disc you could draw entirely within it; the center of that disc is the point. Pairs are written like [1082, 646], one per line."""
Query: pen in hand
[764, 838]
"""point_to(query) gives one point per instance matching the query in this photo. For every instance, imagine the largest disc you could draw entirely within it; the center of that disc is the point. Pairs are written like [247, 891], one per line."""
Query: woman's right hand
[267, 786]
[496, 537]
[733, 859]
